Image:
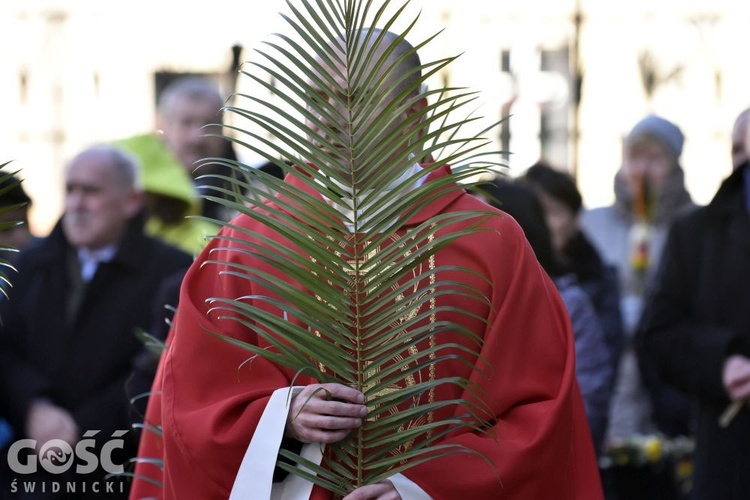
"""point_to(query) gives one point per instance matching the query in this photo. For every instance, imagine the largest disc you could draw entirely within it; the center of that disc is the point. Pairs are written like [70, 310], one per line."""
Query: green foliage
[361, 295]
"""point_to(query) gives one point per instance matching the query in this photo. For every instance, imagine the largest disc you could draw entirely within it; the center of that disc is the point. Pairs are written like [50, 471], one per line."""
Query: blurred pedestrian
[189, 118]
[739, 134]
[68, 335]
[562, 203]
[594, 370]
[179, 163]
[14, 236]
[696, 332]
[649, 193]
[14, 210]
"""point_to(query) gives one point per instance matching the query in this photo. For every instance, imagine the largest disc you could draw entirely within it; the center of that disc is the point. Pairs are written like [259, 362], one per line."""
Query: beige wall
[78, 72]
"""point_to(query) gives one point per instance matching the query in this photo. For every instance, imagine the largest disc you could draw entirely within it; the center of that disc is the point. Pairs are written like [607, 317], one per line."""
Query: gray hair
[126, 168]
[191, 88]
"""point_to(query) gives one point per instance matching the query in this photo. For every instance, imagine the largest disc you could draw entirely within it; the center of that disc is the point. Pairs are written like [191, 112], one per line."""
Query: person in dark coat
[14, 216]
[695, 331]
[562, 203]
[145, 364]
[69, 328]
[594, 370]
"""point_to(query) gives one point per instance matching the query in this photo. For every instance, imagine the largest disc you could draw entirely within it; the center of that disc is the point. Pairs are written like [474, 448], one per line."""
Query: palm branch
[5, 187]
[362, 295]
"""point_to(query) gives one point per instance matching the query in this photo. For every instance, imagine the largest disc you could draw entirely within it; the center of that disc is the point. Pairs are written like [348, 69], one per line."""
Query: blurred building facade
[574, 76]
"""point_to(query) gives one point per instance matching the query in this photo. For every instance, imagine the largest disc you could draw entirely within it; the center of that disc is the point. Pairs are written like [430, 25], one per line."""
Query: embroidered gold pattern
[411, 302]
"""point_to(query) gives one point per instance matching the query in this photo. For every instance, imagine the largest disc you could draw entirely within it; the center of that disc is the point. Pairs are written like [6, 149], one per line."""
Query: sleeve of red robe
[542, 446]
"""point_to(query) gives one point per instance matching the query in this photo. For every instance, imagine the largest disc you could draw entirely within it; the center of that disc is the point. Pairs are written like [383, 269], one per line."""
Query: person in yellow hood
[177, 162]
[171, 197]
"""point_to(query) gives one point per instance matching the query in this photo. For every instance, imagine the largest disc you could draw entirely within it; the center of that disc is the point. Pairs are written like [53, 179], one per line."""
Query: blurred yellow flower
[652, 448]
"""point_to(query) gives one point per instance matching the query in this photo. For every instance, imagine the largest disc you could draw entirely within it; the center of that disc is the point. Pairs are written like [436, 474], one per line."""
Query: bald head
[404, 59]
[371, 87]
[401, 66]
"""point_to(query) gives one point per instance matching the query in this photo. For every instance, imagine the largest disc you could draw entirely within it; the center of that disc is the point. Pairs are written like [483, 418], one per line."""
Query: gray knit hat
[660, 129]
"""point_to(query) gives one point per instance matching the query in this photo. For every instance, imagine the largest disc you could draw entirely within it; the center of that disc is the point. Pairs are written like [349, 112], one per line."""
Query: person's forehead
[195, 105]
[334, 64]
[325, 71]
[92, 169]
[552, 203]
[645, 145]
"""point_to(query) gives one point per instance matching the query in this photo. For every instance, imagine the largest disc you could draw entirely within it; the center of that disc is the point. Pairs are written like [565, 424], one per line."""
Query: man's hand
[325, 413]
[379, 491]
[45, 422]
[736, 377]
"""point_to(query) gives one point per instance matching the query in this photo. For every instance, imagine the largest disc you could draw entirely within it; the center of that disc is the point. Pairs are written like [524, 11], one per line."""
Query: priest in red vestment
[212, 404]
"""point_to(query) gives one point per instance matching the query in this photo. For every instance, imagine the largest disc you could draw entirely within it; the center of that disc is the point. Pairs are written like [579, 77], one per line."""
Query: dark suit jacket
[698, 313]
[80, 360]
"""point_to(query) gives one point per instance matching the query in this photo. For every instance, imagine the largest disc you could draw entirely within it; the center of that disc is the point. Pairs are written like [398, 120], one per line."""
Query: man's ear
[135, 202]
[418, 106]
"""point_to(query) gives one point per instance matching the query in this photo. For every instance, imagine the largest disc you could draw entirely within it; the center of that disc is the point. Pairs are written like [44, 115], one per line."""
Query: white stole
[254, 478]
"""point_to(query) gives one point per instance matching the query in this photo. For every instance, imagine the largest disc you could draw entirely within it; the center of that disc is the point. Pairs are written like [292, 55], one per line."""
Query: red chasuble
[212, 399]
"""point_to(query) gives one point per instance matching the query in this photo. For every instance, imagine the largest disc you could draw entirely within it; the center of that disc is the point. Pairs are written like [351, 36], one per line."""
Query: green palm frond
[363, 302]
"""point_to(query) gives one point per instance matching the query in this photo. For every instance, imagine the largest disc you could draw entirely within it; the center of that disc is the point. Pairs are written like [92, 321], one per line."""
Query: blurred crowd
[661, 334]
[653, 285]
